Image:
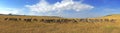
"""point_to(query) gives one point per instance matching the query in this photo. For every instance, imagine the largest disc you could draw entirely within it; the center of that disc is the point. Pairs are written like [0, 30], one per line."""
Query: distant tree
[10, 14]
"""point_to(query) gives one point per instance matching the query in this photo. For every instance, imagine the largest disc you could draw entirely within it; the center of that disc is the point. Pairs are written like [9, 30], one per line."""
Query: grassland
[41, 27]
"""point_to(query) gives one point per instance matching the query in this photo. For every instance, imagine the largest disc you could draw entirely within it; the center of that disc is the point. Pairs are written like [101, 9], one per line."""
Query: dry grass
[40, 27]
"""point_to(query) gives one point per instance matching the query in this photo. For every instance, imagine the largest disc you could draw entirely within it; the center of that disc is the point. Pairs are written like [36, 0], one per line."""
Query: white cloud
[9, 10]
[44, 6]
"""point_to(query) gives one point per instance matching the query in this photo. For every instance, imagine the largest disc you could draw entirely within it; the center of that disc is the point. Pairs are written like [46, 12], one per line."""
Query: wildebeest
[12, 19]
[112, 20]
[35, 20]
[6, 19]
[61, 20]
[28, 20]
[49, 20]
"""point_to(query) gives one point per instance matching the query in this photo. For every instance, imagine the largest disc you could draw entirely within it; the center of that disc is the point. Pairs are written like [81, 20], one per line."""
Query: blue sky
[63, 8]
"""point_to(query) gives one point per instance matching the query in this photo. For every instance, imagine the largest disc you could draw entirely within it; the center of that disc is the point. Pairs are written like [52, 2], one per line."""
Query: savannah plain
[41, 27]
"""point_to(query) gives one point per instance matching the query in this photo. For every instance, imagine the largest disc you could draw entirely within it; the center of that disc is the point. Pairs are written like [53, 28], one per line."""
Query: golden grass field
[41, 27]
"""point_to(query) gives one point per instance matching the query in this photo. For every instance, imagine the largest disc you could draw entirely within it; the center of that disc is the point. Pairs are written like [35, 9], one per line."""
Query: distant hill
[27, 16]
[115, 16]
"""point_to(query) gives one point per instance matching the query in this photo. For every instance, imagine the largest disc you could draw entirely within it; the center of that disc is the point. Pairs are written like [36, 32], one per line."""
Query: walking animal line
[59, 20]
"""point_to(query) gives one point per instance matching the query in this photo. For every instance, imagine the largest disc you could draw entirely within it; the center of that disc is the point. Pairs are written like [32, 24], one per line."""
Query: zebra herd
[58, 20]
